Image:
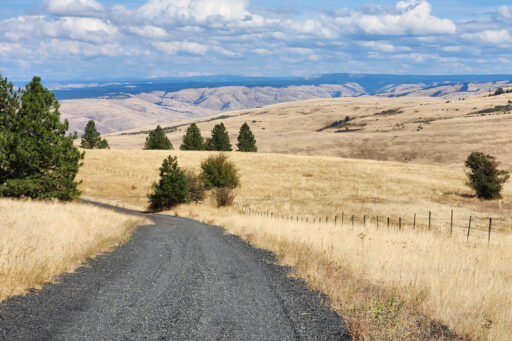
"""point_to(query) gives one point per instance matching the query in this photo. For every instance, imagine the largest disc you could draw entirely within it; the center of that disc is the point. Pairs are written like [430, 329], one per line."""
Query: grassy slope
[449, 131]
[465, 285]
[40, 240]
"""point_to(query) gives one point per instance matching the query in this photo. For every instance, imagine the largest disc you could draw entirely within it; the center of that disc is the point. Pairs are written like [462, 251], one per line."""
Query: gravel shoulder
[177, 279]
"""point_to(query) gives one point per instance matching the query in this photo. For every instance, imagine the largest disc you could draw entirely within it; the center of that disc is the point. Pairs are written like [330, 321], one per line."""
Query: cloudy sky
[128, 39]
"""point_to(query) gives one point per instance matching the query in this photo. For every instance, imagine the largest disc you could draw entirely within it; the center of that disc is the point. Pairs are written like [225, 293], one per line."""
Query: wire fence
[471, 227]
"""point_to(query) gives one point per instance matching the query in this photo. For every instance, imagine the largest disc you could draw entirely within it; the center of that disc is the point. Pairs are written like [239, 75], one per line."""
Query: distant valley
[118, 106]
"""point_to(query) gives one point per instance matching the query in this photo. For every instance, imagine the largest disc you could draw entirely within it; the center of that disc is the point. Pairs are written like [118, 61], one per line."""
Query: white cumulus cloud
[73, 7]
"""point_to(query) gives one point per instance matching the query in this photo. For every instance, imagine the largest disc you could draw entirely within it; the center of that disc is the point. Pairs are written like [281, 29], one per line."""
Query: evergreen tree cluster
[91, 139]
[37, 159]
[158, 140]
[192, 140]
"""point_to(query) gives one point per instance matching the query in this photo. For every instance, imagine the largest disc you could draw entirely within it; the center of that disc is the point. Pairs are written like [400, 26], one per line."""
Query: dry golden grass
[449, 132]
[465, 285]
[310, 186]
[40, 240]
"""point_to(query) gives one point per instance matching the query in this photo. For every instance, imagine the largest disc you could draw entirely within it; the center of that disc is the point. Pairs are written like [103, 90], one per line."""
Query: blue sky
[126, 39]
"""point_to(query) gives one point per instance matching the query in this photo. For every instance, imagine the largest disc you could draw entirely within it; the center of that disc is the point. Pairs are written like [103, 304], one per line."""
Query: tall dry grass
[464, 285]
[40, 240]
[306, 185]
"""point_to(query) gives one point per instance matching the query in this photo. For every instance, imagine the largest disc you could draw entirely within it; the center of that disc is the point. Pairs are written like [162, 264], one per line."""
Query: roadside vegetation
[385, 282]
[40, 240]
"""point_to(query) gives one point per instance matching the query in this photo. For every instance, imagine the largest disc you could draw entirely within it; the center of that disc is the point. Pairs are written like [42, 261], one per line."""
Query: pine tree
[91, 138]
[157, 140]
[484, 176]
[193, 140]
[220, 139]
[37, 159]
[172, 189]
[246, 140]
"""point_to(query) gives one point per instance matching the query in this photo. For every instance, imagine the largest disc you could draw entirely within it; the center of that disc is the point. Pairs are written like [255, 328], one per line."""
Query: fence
[471, 227]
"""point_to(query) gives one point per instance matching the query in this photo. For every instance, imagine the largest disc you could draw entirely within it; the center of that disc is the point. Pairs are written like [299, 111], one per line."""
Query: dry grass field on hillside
[419, 130]
[382, 280]
[40, 240]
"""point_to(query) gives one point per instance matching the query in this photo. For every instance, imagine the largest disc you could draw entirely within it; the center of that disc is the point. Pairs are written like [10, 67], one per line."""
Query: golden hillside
[420, 130]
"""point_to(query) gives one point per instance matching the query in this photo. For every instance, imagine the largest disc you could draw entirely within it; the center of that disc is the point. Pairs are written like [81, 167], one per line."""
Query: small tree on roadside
[91, 139]
[217, 171]
[224, 196]
[157, 140]
[220, 139]
[37, 159]
[193, 140]
[172, 189]
[246, 140]
[484, 176]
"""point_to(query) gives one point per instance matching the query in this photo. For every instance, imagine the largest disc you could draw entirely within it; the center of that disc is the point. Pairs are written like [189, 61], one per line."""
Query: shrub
[91, 138]
[217, 171]
[224, 196]
[196, 186]
[246, 140]
[484, 176]
[193, 140]
[157, 140]
[37, 159]
[172, 189]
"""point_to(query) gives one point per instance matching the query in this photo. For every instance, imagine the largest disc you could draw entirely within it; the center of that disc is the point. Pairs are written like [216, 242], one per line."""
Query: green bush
[484, 176]
[217, 171]
[37, 159]
[224, 196]
[196, 186]
[172, 189]
[157, 140]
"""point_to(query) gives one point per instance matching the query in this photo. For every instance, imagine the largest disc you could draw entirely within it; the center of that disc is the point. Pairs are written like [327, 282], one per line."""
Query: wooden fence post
[490, 227]
[352, 220]
[451, 224]
[388, 222]
[377, 221]
[399, 223]
[342, 216]
[335, 220]
[364, 221]
[469, 228]
[326, 220]
[414, 224]
[429, 219]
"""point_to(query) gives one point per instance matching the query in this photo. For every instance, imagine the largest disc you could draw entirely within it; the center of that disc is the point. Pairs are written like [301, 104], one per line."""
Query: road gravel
[177, 279]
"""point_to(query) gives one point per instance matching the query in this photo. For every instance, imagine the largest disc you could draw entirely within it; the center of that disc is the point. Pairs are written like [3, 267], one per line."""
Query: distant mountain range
[371, 84]
[125, 105]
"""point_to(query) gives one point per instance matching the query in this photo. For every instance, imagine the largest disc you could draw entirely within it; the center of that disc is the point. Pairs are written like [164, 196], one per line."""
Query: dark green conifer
[37, 158]
[220, 139]
[172, 189]
[158, 140]
[246, 140]
[193, 140]
[91, 139]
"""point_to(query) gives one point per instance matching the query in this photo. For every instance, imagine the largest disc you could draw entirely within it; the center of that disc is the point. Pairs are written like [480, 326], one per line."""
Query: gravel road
[177, 279]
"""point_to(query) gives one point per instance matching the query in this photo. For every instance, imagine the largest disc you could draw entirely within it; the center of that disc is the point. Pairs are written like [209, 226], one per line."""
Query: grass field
[40, 240]
[420, 130]
[463, 284]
